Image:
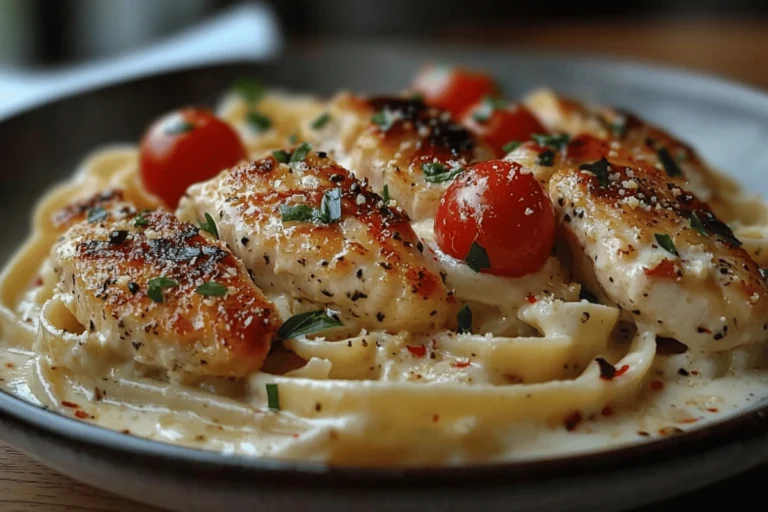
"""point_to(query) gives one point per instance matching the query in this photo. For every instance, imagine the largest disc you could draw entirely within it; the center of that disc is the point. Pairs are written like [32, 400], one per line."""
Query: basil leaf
[697, 225]
[156, 286]
[385, 195]
[273, 397]
[384, 119]
[209, 225]
[258, 122]
[321, 121]
[97, 214]
[212, 289]
[511, 146]
[140, 220]
[330, 206]
[666, 243]
[250, 89]
[554, 141]
[599, 169]
[300, 153]
[281, 156]
[477, 258]
[299, 212]
[669, 164]
[435, 172]
[308, 323]
[464, 317]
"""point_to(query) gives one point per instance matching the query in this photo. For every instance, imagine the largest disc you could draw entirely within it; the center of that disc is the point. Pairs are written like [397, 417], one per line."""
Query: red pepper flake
[607, 370]
[39, 281]
[572, 421]
[713, 409]
[512, 379]
[435, 418]
[81, 414]
[531, 298]
[71, 405]
[666, 269]
[295, 436]
[643, 433]
[607, 411]
[689, 420]
[419, 351]
[621, 371]
[669, 431]
[694, 372]
[657, 385]
[9, 365]
[461, 364]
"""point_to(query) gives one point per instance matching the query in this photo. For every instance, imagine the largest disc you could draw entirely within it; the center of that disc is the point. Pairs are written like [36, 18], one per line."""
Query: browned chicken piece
[641, 240]
[159, 291]
[308, 229]
[401, 143]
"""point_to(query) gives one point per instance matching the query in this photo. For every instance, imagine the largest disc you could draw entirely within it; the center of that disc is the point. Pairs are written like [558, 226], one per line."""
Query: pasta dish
[443, 275]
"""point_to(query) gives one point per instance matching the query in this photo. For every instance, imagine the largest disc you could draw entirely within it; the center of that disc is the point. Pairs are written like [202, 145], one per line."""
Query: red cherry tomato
[505, 211]
[452, 88]
[498, 123]
[185, 147]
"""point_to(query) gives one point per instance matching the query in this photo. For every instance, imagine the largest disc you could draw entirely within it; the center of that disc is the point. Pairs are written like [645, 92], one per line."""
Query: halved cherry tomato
[453, 88]
[499, 122]
[185, 147]
[497, 208]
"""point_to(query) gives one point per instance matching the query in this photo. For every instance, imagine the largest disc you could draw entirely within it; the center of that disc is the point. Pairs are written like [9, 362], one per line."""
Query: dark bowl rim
[747, 425]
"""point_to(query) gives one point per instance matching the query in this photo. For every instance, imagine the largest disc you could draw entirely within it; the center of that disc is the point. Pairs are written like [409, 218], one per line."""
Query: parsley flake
[330, 206]
[97, 214]
[299, 212]
[140, 220]
[666, 243]
[273, 397]
[511, 146]
[477, 257]
[554, 141]
[300, 153]
[599, 169]
[157, 285]
[385, 194]
[258, 122]
[696, 224]
[384, 119]
[250, 89]
[281, 156]
[308, 323]
[320, 121]
[435, 172]
[464, 317]
[212, 289]
[209, 225]
[669, 164]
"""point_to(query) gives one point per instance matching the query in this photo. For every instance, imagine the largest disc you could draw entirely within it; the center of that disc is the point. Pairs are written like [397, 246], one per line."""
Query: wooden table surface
[736, 50]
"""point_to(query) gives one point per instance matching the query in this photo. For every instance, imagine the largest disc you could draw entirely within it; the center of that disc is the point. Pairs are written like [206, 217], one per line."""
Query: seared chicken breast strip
[309, 229]
[168, 296]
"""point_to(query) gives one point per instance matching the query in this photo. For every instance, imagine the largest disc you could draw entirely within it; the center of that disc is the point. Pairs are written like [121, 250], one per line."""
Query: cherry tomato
[185, 147]
[452, 88]
[502, 210]
[499, 123]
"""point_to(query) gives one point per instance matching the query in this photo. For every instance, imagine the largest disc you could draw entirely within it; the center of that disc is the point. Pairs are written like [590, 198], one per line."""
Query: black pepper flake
[117, 237]
[91, 326]
[337, 178]
[420, 246]
[572, 421]
[668, 346]
[607, 370]
[683, 372]
[301, 261]
[133, 288]
[566, 218]
[318, 407]
[357, 295]
[322, 154]
[718, 336]
[245, 240]
[380, 316]
[383, 264]
[359, 273]
[326, 293]
[324, 263]
[266, 259]
[136, 345]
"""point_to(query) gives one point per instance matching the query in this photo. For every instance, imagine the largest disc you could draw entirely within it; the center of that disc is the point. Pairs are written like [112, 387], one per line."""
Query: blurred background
[729, 38]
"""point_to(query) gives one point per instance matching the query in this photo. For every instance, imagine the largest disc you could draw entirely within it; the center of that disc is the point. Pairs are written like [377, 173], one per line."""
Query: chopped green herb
[546, 158]
[554, 141]
[666, 243]
[384, 119]
[258, 122]
[697, 225]
[293, 138]
[301, 152]
[584, 294]
[250, 89]
[281, 156]
[330, 206]
[321, 121]
[212, 289]
[156, 286]
[435, 172]
[715, 226]
[178, 126]
[97, 214]
[299, 212]
[599, 169]
[385, 194]
[465, 319]
[273, 397]
[209, 225]
[140, 220]
[669, 164]
[477, 258]
[511, 146]
[308, 323]
[487, 107]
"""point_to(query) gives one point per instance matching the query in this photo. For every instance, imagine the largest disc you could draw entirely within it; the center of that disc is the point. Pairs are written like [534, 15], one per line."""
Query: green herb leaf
[209, 225]
[477, 258]
[384, 119]
[293, 139]
[511, 146]
[715, 226]
[212, 289]
[435, 172]
[250, 89]
[258, 122]
[308, 323]
[97, 214]
[320, 121]
[297, 213]
[554, 141]
[697, 225]
[584, 294]
[546, 158]
[465, 319]
[483, 113]
[156, 286]
[281, 156]
[140, 220]
[273, 397]
[301, 152]
[599, 169]
[385, 194]
[330, 206]
[666, 243]
[669, 164]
